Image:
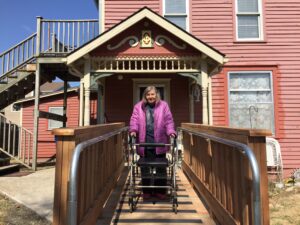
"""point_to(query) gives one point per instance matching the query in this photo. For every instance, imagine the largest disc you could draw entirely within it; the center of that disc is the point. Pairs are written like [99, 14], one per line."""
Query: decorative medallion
[132, 41]
[146, 41]
[160, 40]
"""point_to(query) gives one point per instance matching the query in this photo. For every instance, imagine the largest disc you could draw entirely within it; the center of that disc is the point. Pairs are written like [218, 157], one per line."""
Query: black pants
[160, 171]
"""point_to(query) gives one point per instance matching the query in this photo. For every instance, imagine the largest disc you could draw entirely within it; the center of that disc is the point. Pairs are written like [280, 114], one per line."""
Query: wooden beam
[52, 116]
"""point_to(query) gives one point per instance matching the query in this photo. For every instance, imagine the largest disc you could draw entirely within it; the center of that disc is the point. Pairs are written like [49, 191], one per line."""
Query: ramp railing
[89, 162]
[228, 168]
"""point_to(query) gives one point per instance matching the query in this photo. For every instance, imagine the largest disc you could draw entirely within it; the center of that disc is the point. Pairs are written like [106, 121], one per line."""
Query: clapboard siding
[118, 10]
[46, 141]
[213, 22]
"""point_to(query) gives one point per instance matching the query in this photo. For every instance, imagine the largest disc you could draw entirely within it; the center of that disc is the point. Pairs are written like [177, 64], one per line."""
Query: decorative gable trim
[160, 21]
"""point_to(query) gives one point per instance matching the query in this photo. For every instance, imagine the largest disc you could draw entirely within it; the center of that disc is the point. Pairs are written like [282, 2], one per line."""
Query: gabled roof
[157, 19]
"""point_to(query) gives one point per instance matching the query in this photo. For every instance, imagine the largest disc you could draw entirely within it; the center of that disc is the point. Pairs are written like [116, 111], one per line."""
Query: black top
[150, 123]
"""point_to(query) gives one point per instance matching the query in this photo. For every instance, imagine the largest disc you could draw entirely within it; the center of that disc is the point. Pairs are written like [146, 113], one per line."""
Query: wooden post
[204, 85]
[36, 115]
[87, 92]
[38, 35]
[99, 104]
[65, 103]
[81, 102]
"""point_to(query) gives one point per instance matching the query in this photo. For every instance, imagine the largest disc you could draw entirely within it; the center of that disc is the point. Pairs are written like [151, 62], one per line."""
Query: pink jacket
[163, 124]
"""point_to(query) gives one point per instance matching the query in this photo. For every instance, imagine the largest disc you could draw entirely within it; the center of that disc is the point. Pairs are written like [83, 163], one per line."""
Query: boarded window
[251, 100]
[52, 124]
[176, 12]
[249, 20]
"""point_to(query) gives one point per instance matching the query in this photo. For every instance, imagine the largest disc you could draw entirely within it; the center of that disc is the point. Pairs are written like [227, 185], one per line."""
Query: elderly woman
[152, 121]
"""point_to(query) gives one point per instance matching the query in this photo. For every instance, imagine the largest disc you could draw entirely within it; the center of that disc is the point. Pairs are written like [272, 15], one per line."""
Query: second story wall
[118, 10]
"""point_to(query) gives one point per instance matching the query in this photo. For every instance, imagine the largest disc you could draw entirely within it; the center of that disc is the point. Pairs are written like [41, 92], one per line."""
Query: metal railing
[246, 151]
[17, 55]
[64, 36]
[16, 141]
[73, 176]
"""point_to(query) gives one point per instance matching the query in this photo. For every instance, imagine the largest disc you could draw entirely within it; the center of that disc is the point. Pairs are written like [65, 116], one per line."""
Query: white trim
[271, 90]
[260, 22]
[146, 13]
[145, 82]
[186, 14]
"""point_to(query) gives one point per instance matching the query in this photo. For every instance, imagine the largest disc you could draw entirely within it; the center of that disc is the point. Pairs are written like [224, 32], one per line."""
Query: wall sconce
[120, 77]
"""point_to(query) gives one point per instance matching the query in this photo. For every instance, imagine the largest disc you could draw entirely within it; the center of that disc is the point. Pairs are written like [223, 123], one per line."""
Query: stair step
[9, 169]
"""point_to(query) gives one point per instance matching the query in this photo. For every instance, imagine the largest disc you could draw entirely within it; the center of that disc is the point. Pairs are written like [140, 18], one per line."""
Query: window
[251, 100]
[249, 20]
[54, 123]
[176, 12]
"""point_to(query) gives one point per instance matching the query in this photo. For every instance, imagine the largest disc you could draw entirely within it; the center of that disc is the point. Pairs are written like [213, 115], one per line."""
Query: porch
[225, 166]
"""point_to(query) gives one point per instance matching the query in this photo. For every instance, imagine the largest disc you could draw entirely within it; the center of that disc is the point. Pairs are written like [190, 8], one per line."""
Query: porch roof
[213, 54]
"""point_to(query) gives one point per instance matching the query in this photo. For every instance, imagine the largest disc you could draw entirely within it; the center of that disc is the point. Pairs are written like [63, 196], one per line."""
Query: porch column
[210, 101]
[191, 98]
[87, 91]
[100, 110]
[81, 102]
[204, 87]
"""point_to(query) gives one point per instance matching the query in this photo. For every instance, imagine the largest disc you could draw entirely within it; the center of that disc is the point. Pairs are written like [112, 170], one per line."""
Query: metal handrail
[246, 150]
[72, 202]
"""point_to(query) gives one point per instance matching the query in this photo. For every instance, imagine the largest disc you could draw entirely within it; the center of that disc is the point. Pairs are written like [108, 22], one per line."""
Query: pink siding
[118, 10]
[46, 142]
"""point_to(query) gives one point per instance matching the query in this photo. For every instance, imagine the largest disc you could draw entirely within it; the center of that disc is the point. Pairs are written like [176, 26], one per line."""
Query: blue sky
[18, 17]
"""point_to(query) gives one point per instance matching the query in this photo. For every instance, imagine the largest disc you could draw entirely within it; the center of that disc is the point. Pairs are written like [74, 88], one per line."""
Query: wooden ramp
[190, 210]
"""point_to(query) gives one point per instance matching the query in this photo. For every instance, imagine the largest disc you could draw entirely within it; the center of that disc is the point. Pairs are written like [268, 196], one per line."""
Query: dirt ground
[285, 206]
[12, 213]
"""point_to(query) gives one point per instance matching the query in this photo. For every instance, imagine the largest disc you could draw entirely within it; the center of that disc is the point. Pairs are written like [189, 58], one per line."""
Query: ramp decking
[190, 210]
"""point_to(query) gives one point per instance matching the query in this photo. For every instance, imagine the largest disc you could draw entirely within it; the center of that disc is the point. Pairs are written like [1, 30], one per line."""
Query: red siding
[214, 23]
[118, 10]
[46, 142]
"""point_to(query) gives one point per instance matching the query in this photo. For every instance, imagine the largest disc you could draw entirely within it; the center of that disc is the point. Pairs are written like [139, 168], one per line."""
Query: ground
[285, 206]
[12, 213]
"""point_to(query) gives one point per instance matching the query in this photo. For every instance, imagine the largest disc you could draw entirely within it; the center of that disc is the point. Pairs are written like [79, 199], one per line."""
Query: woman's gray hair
[151, 88]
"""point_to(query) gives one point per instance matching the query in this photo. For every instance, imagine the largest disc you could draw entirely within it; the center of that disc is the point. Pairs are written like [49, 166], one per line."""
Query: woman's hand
[133, 134]
[173, 135]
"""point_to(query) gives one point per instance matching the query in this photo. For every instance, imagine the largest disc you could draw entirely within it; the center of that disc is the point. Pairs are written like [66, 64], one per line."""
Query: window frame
[186, 14]
[270, 72]
[259, 14]
[49, 121]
